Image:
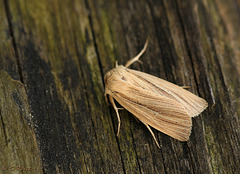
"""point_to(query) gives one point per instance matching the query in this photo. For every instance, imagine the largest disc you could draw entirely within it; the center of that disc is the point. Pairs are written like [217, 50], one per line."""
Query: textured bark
[53, 57]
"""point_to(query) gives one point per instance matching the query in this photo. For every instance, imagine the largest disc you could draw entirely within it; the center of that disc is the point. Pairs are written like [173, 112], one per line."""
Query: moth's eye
[123, 78]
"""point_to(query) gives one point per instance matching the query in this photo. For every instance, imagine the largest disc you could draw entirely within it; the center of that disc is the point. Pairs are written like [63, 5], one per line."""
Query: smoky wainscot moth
[155, 102]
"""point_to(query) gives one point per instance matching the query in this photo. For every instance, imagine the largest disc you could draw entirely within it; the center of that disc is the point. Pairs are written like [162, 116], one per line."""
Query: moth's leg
[106, 98]
[116, 109]
[135, 59]
[186, 87]
[152, 133]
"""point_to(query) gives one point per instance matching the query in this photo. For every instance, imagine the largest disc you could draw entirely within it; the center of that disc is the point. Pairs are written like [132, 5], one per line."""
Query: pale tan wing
[161, 113]
[192, 103]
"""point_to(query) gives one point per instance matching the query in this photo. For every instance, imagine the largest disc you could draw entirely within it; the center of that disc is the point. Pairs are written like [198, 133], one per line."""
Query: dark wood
[53, 57]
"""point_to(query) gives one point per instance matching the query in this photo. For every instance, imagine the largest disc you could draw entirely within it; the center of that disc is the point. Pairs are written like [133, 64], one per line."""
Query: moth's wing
[192, 103]
[161, 113]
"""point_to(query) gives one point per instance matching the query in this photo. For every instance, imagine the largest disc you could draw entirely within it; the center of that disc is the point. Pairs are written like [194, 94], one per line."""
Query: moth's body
[154, 101]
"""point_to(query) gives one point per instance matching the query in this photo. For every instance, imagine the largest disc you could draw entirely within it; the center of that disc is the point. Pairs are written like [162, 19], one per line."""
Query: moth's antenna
[135, 59]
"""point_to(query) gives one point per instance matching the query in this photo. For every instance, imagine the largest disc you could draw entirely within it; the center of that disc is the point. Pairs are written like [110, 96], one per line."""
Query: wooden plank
[19, 151]
[64, 87]
[225, 115]
[61, 50]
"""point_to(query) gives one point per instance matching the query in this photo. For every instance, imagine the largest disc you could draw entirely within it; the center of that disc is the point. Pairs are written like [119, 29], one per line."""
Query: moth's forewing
[193, 104]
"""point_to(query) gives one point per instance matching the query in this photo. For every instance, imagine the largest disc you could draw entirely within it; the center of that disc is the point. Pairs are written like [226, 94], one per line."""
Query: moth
[154, 101]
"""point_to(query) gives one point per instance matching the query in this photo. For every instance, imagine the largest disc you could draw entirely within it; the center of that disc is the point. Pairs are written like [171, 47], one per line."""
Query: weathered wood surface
[54, 54]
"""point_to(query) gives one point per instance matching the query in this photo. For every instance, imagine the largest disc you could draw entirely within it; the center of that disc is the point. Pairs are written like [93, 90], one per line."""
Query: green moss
[215, 156]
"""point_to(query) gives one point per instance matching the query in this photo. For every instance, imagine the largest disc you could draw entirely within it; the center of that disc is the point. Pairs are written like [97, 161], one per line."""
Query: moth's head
[113, 74]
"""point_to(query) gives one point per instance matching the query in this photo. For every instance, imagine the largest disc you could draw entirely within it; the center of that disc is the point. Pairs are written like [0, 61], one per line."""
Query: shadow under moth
[154, 101]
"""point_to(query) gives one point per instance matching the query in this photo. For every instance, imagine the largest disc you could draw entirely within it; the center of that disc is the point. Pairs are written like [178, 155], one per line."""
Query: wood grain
[60, 51]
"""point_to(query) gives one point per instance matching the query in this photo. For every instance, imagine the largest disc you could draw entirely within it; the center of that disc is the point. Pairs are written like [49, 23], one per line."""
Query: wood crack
[9, 19]
[3, 127]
